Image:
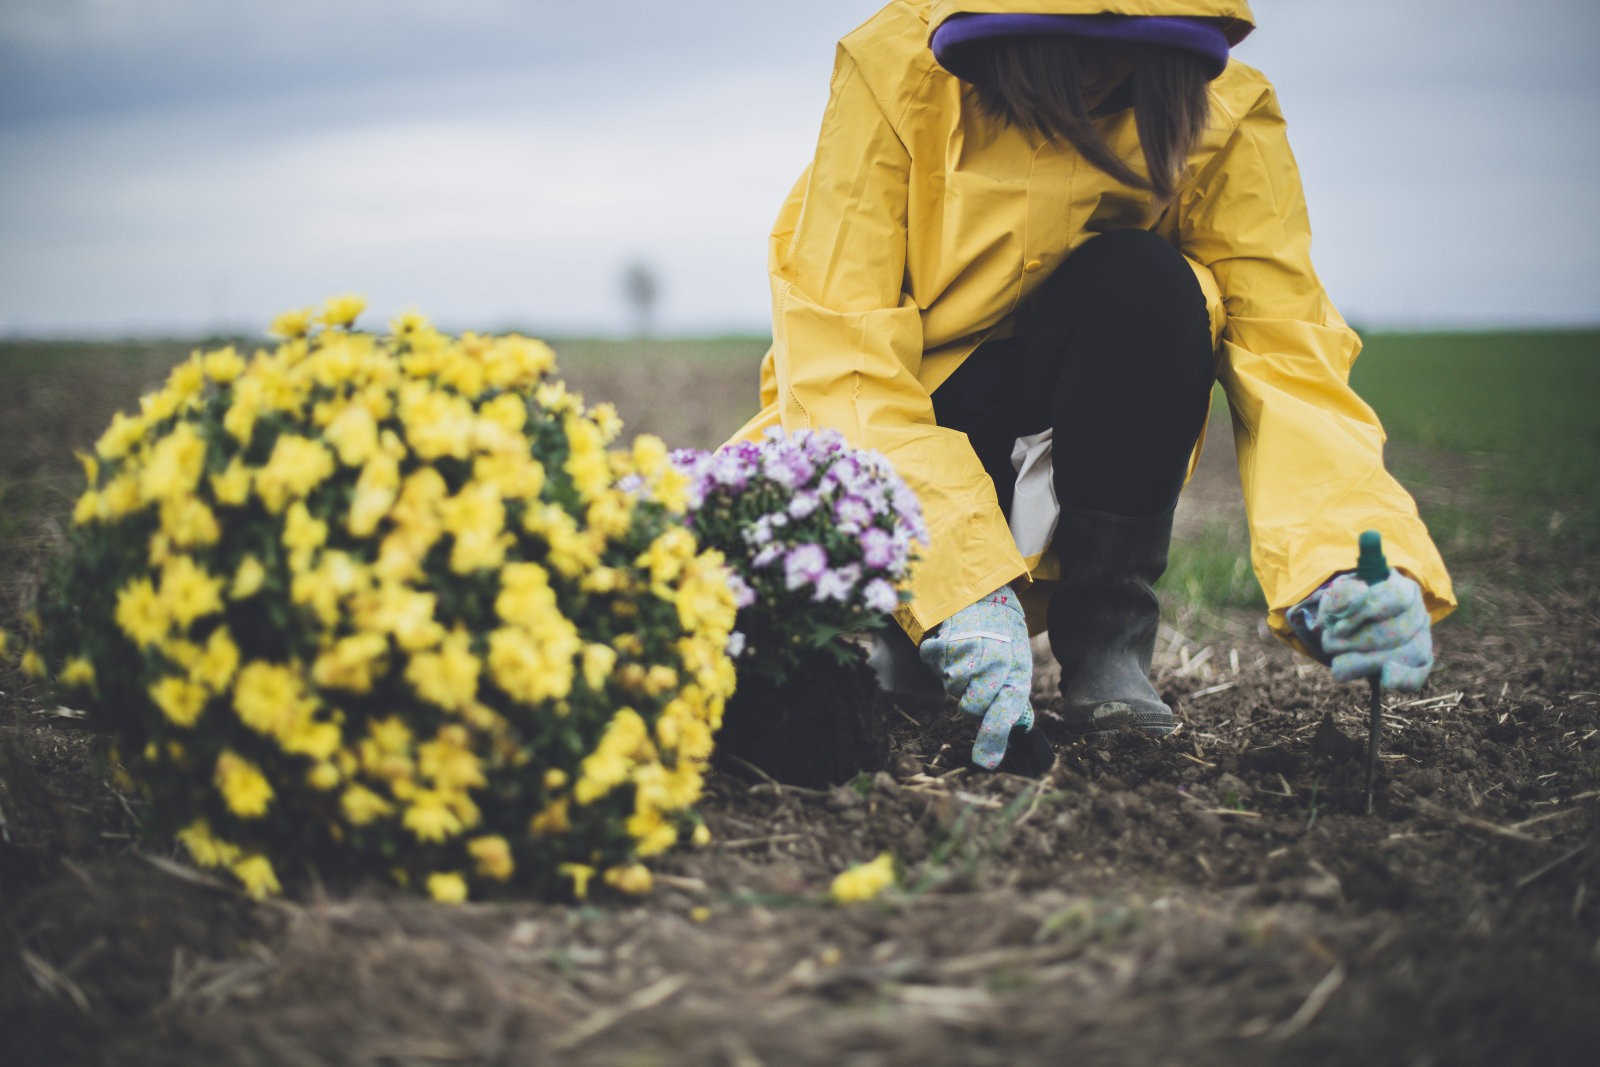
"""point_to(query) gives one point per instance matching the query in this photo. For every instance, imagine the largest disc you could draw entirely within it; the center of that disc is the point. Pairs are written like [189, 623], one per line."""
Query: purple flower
[878, 549]
[731, 468]
[834, 585]
[758, 533]
[879, 595]
[804, 504]
[803, 565]
[743, 595]
[735, 644]
[852, 514]
[767, 555]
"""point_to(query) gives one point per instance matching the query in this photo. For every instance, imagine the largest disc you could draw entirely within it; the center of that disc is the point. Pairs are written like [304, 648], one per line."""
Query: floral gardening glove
[982, 655]
[1376, 631]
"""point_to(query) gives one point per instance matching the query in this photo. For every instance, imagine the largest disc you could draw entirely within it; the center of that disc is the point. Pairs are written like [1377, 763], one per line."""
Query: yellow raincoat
[920, 225]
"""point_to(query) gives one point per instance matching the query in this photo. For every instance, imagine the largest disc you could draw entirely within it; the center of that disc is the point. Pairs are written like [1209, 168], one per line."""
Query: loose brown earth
[1214, 897]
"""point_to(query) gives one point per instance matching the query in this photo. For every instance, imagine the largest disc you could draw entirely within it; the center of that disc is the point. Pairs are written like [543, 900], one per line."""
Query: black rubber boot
[1103, 619]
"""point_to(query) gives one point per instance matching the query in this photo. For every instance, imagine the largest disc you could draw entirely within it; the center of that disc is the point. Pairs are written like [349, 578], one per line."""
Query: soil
[1218, 896]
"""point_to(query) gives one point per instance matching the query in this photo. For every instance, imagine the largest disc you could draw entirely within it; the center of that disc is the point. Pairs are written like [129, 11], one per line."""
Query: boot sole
[1114, 715]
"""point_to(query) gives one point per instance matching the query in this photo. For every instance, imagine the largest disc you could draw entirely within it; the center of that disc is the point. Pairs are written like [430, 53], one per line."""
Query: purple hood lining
[1202, 36]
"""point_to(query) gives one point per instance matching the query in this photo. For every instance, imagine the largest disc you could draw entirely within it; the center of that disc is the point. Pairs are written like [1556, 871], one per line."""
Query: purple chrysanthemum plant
[818, 537]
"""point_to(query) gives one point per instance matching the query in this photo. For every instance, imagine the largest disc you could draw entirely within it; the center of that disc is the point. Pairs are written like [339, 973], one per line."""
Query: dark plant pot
[824, 725]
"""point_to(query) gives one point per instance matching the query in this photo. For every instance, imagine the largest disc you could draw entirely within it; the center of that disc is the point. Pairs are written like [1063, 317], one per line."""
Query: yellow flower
[373, 496]
[297, 466]
[493, 856]
[232, 486]
[449, 762]
[701, 837]
[513, 474]
[625, 741]
[447, 887]
[865, 881]
[179, 699]
[580, 873]
[437, 423]
[408, 323]
[429, 818]
[249, 400]
[259, 879]
[141, 614]
[598, 660]
[534, 667]
[302, 533]
[649, 455]
[188, 522]
[318, 740]
[91, 468]
[270, 698]
[634, 880]
[203, 848]
[607, 421]
[352, 663]
[188, 379]
[215, 666]
[120, 437]
[32, 664]
[292, 323]
[223, 365]
[361, 805]
[4, 640]
[610, 513]
[323, 776]
[554, 819]
[247, 580]
[244, 788]
[342, 310]
[120, 497]
[87, 509]
[475, 517]
[652, 834]
[353, 434]
[188, 591]
[175, 464]
[586, 462]
[403, 613]
[449, 677]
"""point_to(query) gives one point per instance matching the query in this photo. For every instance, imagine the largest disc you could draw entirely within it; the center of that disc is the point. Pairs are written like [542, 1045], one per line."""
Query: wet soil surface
[1219, 896]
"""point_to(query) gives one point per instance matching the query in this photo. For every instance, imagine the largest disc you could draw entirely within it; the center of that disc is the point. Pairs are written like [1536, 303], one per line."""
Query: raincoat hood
[1233, 16]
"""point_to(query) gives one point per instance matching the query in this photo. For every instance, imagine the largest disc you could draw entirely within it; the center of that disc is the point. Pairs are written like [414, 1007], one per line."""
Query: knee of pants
[1128, 290]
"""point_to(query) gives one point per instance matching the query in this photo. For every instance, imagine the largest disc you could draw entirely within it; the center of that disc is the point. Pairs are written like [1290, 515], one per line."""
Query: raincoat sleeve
[847, 347]
[1310, 450]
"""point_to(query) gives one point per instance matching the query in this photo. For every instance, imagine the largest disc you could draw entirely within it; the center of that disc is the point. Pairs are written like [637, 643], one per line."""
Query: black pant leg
[1120, 340]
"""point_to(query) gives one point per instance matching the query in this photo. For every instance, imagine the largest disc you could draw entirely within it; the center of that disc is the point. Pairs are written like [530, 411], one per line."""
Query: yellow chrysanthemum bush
[394, 606]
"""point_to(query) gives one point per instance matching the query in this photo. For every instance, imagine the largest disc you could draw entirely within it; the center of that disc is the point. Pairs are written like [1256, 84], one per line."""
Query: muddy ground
[1215, 897]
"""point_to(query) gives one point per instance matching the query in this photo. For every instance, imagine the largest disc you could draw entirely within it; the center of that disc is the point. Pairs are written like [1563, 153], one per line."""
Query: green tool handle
[1372, 568]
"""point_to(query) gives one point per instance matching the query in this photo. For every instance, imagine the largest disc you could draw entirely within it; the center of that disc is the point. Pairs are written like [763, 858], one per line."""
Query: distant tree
[641, 287]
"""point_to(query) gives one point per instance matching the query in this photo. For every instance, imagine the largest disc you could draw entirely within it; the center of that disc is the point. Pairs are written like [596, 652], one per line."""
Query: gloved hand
[1376, 631]
[982, 655]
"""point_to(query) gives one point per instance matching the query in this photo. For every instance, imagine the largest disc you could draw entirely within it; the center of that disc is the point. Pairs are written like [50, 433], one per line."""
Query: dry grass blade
[1529, 879]
[183, 873]
[1315, 1001]
[604, 1019]
[1472, 821]
[53, 981]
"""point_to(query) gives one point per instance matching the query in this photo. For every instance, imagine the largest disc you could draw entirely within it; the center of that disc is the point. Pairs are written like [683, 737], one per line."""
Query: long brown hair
[1037, 83]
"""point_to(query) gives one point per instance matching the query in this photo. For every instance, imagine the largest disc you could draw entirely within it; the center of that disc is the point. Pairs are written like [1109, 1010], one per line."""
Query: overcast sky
[184, 165]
